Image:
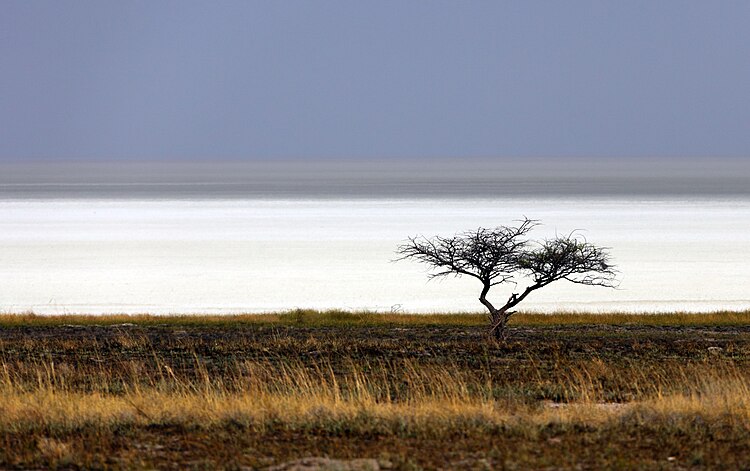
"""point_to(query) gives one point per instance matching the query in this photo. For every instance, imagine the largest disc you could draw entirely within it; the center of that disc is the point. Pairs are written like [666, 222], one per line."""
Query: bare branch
[496, 256]
[487, 254]
[570, 258]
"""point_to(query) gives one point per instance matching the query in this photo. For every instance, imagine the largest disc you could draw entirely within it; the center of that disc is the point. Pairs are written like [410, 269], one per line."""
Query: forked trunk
[498, 317]
[498, 327]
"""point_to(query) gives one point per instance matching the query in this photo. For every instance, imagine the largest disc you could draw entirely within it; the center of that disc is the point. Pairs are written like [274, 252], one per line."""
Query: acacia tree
[505, 255]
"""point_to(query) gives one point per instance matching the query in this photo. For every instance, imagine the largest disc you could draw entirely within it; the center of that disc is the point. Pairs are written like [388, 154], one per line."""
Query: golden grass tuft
[364, 398]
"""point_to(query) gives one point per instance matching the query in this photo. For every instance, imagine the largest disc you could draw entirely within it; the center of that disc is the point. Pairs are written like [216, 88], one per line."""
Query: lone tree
[506, 255]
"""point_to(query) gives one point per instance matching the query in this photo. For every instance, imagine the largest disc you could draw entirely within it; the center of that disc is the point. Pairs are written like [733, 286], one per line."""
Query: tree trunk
[498, 317]
[499, 321]
[497, 329]
[493, 312]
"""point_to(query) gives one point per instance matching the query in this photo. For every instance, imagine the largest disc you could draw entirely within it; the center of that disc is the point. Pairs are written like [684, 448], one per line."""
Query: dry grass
[401, 398]
[310, 317]
[254, 393]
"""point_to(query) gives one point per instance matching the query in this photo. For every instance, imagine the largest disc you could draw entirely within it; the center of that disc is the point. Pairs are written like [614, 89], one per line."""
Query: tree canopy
[506, 255]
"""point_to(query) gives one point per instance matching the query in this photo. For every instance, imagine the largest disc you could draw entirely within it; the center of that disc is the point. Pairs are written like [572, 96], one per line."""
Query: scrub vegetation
[375, 391]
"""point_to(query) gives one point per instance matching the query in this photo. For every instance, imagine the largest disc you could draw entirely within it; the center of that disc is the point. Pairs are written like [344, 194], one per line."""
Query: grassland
[576, 391]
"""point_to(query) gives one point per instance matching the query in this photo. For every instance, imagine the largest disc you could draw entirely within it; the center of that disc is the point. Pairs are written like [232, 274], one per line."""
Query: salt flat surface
[252, 255]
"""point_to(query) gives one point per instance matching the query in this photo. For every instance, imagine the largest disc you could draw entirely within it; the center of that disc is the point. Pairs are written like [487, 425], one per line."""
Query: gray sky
[229, 80]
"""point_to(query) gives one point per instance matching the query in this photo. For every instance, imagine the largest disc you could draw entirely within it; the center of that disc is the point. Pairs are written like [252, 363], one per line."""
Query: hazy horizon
[328, 178]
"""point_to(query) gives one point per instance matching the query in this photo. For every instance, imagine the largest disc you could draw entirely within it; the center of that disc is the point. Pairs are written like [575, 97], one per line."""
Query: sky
[166, 80]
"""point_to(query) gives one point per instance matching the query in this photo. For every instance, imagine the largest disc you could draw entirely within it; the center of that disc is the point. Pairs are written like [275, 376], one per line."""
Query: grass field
[389, 391]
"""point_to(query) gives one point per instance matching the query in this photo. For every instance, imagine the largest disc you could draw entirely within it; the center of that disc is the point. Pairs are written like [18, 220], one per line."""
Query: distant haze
[374, 178]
